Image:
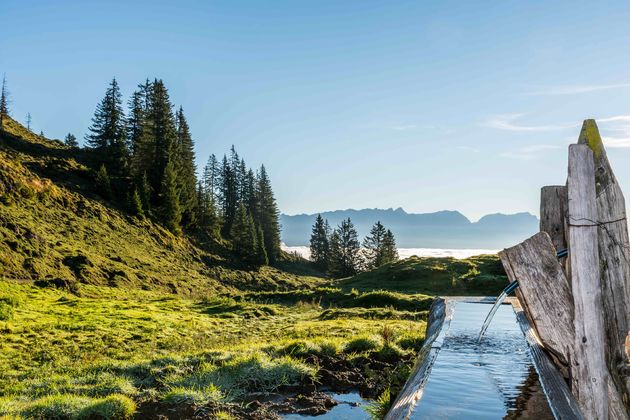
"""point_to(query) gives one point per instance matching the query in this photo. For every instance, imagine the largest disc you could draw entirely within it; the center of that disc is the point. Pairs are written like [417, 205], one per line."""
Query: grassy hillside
[54, 228]
[103, 315]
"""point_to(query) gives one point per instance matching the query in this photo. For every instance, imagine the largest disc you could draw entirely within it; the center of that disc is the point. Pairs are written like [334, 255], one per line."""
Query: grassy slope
[139, 316]
[59, 230]
[476, 276]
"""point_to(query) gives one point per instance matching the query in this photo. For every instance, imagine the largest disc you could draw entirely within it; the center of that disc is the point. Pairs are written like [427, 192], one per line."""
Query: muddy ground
[368, 375]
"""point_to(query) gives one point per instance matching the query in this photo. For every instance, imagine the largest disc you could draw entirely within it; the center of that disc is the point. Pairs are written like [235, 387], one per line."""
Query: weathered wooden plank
[544, 292]
[411, 392]
[562, 403]
[589, 373]
[553, 210]
[614, 257]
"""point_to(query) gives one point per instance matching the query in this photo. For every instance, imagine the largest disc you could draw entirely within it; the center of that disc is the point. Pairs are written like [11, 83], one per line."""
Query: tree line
[339, 252]
[145, 160]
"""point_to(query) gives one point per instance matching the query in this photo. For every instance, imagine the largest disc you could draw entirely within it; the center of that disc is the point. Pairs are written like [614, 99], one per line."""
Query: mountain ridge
[440, 229]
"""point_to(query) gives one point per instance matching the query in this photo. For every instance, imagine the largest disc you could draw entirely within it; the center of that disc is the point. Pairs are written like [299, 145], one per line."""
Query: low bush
[363, 344]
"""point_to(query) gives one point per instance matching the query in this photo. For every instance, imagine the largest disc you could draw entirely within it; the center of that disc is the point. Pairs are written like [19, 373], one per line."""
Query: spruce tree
[228, 196]
[107, 135]
[261, 252]
[320, 245]
[207, 218]
[162, 138]
[103, 183]
[373, 246]
[134, 204]
[211, 178]
[186, 174]
[71, 141]
[268, 215]
[144, 190]
[171, 212]
[244, 235]
[142, 149]
[235, 166]
[250, 196]
[344, 250]
[389, 252]
[4, 102]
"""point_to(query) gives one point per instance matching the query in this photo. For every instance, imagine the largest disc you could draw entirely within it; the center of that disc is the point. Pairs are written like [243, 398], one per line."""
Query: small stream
[349, 407]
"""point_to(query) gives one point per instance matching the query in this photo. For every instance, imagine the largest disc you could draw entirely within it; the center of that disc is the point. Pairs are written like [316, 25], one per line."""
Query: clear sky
[425, 105]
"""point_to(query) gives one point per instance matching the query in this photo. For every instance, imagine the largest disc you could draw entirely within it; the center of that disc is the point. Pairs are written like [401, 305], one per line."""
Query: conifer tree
[207, 218]
[163, 138]
[108, 131]
[171, 213]
[320, 245]
[344, 250]
[235, 166]
[261, 252]
[244, 235]
[228, 196]
[373, 246]
[211, 178]
[141, 143]
[103, 183]
[71, 141]
[4, 102]
[134, 203]
[389, 250]
[187, 170]
[268, 215]
[250, 196]
[144, 190]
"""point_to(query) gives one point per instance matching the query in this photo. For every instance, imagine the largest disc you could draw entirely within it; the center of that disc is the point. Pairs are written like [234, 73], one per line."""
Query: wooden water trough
[575, 312]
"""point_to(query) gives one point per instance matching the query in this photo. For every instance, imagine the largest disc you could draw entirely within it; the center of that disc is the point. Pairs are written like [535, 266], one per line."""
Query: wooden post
[588, 366]
[614, 257]
[553, 210]
[553, 219]
[544, 293]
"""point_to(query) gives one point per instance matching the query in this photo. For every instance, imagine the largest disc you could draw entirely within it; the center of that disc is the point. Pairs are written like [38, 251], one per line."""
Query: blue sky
[350, 104]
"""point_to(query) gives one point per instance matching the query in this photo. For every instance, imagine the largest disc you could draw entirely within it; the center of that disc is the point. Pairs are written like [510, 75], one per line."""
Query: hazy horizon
[473, 220]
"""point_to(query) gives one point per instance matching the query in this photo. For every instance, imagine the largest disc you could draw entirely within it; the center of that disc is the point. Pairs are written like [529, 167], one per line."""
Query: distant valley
[442, 229]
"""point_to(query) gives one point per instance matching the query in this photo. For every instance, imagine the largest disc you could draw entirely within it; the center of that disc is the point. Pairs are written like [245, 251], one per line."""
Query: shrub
[180, 395]
[56, 407]
[6, 311]
[387, 333]
[410, 342]
[363, 344]
[389, 353]
[379, 408]
[65, 406]
[115, 406]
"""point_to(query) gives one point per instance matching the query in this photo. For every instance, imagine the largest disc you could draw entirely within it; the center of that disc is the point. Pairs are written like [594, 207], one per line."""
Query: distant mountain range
[442, 229]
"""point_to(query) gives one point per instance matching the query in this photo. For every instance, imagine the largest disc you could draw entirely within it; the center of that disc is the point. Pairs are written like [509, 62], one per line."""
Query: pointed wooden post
[553, 210]
[588, 367]
[614, 257]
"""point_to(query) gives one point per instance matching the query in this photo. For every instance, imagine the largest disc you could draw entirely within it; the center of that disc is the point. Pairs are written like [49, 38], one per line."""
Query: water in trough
[491, 379]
